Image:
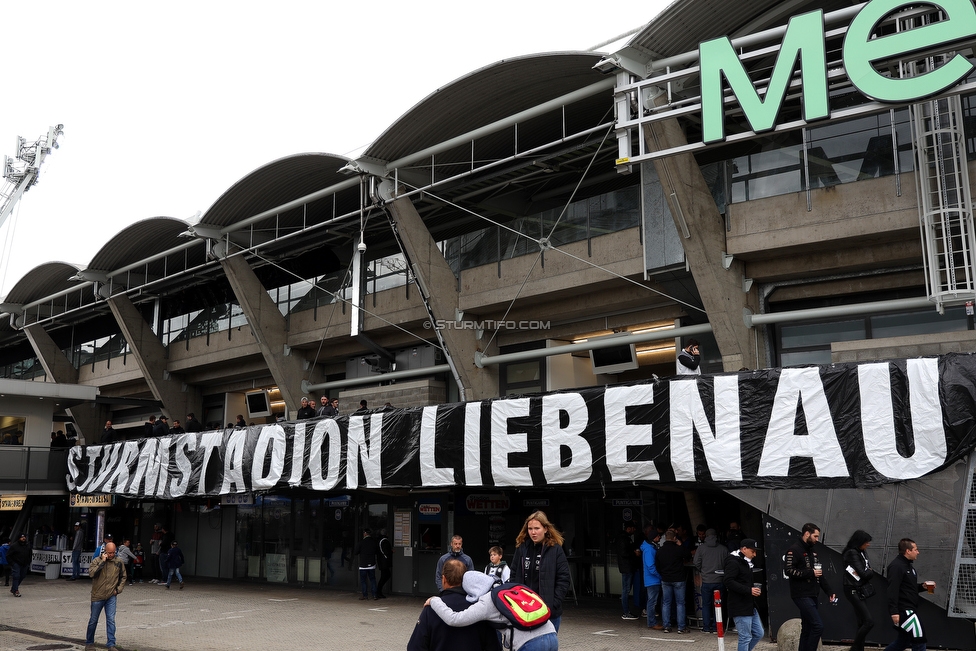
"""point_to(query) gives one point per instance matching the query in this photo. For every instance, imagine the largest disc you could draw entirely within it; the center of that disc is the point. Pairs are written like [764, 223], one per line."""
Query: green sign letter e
[860, 50]
[804, 39]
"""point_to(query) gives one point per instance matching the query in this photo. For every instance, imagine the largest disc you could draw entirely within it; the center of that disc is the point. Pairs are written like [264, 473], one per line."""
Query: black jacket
[432, 634]
[19, 553]
[366, 549]
[903, 586]
[305, 413]
[160, 428]
[670, 561]
[552, 579]
[798, 566]
[193, 425]
[738, 582]
[858, 561]
[627, 560]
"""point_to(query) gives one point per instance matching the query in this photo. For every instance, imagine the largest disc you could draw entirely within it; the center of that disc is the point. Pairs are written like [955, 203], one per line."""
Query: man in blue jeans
[631, 568]
[670, 561]
[803, 567]
[76, 544]
[108, 580]
[742, 594]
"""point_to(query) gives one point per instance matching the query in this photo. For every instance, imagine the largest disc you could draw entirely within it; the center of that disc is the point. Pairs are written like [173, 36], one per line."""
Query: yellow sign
[89, 501]
[12, 502]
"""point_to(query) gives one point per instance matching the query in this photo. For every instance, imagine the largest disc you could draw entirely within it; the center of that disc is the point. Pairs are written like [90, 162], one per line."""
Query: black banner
[839, 425]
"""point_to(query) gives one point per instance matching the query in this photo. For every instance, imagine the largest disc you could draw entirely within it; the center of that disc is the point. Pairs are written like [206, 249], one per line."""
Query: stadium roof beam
[60, 370]
[177, 398]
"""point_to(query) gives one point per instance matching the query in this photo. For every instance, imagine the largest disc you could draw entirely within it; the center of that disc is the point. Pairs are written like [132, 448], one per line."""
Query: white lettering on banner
[145, 467]
[366, 449]
[273, 435]
[208, 443]
[740, 423]
[721, 449]
[504, 443]
[177, 488]
[120, 476]
[796, 386]
[325, 429]
[234, 463]
[430, 474]
[555, 438]
[298, 455]
[472, 444]
[74, 454]
[878, 419]
[620, 435]
[164, 444]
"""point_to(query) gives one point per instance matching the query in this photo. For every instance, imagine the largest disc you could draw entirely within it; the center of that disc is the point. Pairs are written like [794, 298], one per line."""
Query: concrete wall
[411, 393]
[901, 347]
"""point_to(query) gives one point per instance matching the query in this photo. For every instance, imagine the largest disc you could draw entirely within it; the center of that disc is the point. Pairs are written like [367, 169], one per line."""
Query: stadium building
[788, 184]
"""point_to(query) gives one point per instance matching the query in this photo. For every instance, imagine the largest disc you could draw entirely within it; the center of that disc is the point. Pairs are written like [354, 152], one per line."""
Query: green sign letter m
[804, 39]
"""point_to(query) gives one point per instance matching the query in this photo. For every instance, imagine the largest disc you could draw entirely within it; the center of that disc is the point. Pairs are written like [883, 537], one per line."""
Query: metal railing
[32, 469]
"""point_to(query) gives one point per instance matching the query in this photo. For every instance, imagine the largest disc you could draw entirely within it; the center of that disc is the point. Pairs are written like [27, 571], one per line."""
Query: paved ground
[223, 616]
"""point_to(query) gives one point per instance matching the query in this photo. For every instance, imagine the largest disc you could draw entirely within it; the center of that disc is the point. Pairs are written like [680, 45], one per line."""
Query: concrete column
[268, 326]
[437, 281]
[177, 398]
[720, 288]
[89, 418]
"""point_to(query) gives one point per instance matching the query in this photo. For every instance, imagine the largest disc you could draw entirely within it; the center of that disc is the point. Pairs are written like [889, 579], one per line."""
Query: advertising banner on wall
[839, 425]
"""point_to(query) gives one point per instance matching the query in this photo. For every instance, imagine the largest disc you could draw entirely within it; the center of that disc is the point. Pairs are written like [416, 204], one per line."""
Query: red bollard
[719, 621]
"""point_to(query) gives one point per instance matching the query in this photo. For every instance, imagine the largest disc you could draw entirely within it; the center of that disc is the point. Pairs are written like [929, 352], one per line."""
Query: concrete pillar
[268, 326]
[720, 288]
[177, 398]
[437, 281]
[89, 418]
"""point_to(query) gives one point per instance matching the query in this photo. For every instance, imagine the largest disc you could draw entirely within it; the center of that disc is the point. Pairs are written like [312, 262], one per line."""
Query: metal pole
[481, 360]
[373, 379]
[753, 320]
[719, 622]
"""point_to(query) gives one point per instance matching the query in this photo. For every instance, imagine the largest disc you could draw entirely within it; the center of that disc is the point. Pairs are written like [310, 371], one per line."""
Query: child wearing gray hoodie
[478, 587]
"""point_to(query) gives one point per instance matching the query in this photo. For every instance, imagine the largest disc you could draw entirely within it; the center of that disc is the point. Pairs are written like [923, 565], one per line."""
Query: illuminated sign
[12, 502]
[76, 501]
[805, 42]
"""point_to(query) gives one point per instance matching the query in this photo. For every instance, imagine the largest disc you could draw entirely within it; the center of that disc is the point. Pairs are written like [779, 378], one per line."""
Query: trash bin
[52, 571]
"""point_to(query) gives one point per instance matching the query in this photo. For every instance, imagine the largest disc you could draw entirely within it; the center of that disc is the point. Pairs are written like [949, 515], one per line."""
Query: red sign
[430, 509]
[483, 503]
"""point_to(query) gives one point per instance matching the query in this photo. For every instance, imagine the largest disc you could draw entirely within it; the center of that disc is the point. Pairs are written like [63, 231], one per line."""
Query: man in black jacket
[742, 593]
[384, 561]
[631, 568]
[432, 634]
[802, 566]
[670, 561]
[19, 557]
[903, 589]
[367, 549]
[192, 424]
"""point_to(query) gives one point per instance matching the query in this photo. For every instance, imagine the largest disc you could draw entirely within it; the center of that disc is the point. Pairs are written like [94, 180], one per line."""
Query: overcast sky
[166, 105]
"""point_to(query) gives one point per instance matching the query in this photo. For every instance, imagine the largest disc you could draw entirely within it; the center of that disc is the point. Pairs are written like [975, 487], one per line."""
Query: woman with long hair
[541, 564]
[857, 584]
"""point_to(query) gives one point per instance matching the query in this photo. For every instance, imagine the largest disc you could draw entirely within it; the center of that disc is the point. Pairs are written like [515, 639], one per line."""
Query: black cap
[750, 543]
[630, 523]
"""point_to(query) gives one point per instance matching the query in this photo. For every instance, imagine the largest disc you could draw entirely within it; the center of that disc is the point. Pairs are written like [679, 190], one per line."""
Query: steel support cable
[546, 243]
[558, 250]
[337, 297]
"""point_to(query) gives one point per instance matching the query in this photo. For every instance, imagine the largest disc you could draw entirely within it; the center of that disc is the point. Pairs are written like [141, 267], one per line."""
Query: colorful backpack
[520, 605]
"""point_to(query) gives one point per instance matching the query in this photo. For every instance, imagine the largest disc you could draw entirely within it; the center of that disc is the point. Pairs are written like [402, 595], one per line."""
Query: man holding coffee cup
[805, 571]
[903, 589]
[742, 593]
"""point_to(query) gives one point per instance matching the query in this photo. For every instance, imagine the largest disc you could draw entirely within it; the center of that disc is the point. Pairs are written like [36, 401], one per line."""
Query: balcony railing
[32, 469]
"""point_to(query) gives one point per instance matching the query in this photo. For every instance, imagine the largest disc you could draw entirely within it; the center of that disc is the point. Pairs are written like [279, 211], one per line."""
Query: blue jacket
[174, 558]
[3, 553]
[648, 555]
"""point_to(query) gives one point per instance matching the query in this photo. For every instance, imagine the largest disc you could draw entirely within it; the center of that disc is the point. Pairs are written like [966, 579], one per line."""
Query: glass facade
[600, 215]
[817, 157]
[809, 343]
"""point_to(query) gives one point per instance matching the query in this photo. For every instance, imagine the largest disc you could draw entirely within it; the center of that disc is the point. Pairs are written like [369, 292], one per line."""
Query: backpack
[520, 605]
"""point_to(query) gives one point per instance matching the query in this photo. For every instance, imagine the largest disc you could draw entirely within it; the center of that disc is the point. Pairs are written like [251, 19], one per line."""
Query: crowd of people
[727, 566]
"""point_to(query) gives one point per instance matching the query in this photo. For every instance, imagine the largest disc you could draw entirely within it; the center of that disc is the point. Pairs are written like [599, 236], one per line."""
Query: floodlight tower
[21, 172]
